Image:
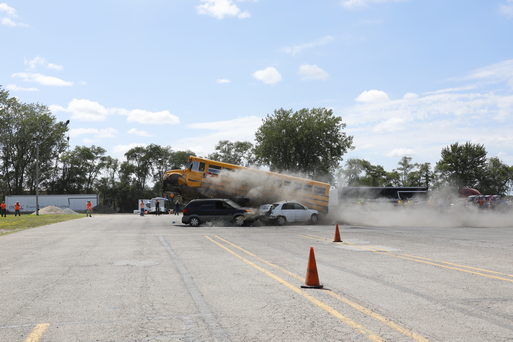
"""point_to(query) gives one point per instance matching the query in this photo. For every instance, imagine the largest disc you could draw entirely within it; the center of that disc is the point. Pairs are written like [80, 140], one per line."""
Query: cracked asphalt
[132, 278]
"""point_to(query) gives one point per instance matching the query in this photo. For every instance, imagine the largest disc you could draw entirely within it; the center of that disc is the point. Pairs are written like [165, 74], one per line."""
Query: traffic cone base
[337, 235]
[312, 278]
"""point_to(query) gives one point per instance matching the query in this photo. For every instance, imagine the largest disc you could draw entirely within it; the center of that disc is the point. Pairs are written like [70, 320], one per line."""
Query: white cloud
[97, 133]
[14, 87]
[390, 125]
[34, 62]
[410, 96]
[401, 152]
[9, 10]
[221, 8]
[140, 133]
[41, 61]
[75, 132]
[506, 9]
[298, 48]
[364, 3]
[10, 23]
[86, 110]
[471, 86]
[41, 79]
[146, 117]
[312, 72]
[269, 75]
[372, 96]
[54, 66]
[122, 149]
[499, 71]
[240, 129]
[90, 141]
[223, 80]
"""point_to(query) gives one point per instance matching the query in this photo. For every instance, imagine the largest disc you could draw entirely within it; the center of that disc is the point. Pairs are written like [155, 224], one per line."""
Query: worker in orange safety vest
[17, 209]
[89, 209]
[2, 209]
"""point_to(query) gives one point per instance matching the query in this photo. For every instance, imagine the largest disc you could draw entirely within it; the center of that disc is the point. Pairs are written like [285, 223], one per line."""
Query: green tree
[405, 169]
[307, 142]
[463, 165]
[238, 153]
[22, 125]
[83, 166]
[497, 180]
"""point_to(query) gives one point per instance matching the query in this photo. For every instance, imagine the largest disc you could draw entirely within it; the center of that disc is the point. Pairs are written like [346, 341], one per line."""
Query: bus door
[197, 171]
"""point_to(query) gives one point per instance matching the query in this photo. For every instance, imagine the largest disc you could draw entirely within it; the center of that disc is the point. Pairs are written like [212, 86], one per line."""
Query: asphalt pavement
[132, 278]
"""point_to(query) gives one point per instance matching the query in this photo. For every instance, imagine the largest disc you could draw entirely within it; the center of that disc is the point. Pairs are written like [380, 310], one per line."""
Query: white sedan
[288, 211]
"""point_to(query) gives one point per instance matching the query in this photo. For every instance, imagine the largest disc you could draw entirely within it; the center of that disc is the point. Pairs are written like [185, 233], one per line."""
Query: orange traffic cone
[337, 235]
[312, 278]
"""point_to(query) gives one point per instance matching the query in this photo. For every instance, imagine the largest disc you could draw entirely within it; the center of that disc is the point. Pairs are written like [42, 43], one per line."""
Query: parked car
[287, 211]
[216, 209]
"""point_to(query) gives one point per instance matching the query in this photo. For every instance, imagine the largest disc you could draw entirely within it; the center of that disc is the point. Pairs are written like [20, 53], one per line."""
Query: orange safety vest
[89, 205]
[17, 206]
[2, 206]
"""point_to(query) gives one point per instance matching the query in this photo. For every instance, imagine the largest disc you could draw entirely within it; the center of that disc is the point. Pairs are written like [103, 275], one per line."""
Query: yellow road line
[37, 332]
[354, 305]
[400, 256]
[364, 331]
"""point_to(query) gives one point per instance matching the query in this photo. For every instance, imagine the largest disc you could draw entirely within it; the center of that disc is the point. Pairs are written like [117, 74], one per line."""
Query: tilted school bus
[203, 178]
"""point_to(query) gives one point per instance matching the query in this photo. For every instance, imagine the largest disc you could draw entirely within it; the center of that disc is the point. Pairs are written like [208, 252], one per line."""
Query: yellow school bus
[203, 178]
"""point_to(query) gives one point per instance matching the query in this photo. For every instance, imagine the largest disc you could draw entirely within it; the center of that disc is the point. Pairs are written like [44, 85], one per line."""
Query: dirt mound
[50, 210]
[70, 211]
[103, 209]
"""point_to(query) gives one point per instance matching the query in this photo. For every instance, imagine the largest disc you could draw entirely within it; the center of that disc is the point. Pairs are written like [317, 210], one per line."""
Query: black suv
[216, 209]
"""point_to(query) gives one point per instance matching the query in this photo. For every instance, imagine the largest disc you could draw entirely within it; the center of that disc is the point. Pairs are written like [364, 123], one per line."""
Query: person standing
[89, 209]
[17, 209]
[141, 205]
[177, 208]
[3, 210]
[157, 207]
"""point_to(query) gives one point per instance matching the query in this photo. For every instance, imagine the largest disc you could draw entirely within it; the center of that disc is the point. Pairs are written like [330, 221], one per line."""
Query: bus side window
[277, 183]
[227, 169]
[307, 188]
[201, 167]
[319, 190]
[297, 186]
[286, 183]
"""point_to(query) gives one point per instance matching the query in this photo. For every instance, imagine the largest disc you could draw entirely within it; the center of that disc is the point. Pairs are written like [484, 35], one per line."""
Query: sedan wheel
[281, 220]
[314, 219]
[194, 222]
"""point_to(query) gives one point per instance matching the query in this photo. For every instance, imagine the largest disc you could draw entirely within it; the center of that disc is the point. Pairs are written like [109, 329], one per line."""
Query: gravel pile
[103, 209]
[50, 210]
[70, 211]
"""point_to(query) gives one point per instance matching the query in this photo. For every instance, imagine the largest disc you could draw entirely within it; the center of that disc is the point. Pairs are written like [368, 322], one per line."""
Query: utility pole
[36, 139]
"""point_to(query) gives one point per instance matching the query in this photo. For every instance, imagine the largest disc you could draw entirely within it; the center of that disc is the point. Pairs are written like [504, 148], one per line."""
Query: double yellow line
[346, 320]
[433, 262]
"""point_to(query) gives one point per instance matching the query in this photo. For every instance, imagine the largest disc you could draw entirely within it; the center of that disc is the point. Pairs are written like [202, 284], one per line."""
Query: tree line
[308, 143]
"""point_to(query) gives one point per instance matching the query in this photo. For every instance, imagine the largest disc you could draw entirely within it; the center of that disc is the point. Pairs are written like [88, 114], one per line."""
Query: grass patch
[11, 224]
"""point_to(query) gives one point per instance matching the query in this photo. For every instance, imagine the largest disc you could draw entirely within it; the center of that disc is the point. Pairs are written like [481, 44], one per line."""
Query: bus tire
[239, 221]
[281, 220]
[314, 219]
[194, 222]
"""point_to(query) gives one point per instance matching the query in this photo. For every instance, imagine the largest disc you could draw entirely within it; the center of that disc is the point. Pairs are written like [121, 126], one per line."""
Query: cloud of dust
[261, 185]
[421, 214]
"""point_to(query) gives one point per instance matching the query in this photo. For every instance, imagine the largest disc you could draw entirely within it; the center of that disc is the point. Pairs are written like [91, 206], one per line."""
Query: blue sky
[408, 77]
